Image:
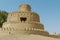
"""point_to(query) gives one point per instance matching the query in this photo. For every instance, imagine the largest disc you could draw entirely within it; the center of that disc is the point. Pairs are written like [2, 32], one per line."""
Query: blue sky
[48, 10]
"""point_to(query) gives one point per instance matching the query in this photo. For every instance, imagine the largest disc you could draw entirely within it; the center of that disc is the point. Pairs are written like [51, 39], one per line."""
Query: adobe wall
[22, 26]
[15, 17]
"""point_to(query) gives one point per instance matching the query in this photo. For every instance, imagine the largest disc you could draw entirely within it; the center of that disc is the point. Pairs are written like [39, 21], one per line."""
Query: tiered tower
[24, 21]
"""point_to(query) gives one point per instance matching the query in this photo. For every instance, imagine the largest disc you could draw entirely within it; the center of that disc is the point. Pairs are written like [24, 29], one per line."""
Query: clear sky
[49, 11]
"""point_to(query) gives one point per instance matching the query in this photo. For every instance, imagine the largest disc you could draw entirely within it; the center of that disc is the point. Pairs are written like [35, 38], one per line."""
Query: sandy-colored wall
[22, 25]
[15, 17]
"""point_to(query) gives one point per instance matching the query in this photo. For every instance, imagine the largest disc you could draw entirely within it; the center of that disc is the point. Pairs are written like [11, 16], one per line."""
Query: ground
[25, 37]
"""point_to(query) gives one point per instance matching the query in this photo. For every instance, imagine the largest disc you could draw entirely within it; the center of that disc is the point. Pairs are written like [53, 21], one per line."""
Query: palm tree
[3, 17]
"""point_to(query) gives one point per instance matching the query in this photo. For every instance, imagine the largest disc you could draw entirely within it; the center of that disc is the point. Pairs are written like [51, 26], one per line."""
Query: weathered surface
[25, 37]
[24, 22]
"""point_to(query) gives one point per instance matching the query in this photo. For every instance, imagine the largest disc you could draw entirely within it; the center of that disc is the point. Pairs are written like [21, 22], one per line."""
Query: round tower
[24, 21]
[24, 7]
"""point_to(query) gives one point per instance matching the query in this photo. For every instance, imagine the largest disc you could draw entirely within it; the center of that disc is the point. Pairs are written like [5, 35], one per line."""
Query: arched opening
[23, 19]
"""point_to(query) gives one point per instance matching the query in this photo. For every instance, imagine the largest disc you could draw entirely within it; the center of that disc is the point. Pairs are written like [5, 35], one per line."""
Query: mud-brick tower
[24, 21]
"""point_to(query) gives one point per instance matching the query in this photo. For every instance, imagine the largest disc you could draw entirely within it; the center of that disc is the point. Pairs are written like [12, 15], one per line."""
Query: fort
[24, 22]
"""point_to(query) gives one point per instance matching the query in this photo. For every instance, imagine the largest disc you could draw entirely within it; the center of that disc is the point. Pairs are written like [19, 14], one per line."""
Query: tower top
[24, 7]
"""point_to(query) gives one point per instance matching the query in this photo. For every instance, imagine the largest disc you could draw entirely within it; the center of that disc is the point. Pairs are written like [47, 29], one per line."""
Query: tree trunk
[0, 25]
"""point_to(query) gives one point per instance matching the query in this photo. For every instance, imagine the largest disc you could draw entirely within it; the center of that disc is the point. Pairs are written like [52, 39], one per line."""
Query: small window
[11, 14]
